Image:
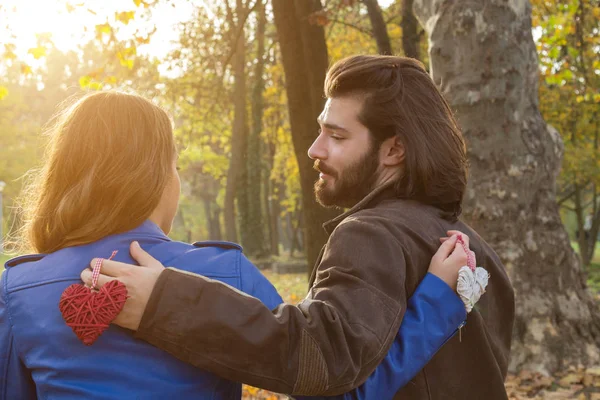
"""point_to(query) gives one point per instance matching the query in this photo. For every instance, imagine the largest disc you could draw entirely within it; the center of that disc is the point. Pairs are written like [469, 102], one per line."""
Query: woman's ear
[393, 152]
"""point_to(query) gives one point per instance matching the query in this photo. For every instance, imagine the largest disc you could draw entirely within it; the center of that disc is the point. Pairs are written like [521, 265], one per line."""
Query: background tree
[570, 101]
[483, 56]
[411, 37]
[304, 58]
[379, 27]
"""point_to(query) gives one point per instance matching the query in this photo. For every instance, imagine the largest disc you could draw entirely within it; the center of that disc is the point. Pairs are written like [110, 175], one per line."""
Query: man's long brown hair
[107, 163]
[400, 99]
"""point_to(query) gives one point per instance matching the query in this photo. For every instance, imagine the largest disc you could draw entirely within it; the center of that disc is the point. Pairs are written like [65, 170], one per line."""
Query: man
[390, 149]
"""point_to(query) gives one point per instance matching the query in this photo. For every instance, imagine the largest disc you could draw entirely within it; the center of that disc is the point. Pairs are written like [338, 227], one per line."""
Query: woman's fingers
[445, 249]
[463, 235]
[458, 258]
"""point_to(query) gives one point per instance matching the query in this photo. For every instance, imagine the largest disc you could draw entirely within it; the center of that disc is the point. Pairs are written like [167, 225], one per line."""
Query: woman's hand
[450, 258]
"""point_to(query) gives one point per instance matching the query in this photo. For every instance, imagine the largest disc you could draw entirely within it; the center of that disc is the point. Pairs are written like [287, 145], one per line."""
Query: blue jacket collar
[147, 229]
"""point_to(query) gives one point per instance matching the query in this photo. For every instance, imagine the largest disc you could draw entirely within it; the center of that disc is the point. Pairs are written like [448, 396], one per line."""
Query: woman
[110, 178]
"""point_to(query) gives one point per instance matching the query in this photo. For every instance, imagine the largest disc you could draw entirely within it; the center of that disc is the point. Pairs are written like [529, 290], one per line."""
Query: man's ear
[393, 152]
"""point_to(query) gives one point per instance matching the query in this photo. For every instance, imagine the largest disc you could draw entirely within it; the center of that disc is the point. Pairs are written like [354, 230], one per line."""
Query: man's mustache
[323, 168]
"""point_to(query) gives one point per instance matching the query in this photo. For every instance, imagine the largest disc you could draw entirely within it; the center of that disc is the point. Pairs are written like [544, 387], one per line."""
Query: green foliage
[570, 87]
[3, 258]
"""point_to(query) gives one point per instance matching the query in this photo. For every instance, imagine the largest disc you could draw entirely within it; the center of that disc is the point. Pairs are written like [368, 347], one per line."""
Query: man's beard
[351, 185]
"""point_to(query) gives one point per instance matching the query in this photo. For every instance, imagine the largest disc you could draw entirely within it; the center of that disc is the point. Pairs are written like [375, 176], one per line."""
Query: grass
[291, 287]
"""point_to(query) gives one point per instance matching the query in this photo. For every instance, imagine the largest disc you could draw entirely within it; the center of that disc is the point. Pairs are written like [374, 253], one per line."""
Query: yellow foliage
[86, 82]
[37, 52]
[127, 63]
[26, 69]
[124, 16]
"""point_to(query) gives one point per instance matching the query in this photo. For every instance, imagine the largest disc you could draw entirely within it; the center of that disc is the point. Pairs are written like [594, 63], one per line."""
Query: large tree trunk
[303, 74]
[483, 56]
[410, 31]
[239, 134]
[254, 232]
[378, 27]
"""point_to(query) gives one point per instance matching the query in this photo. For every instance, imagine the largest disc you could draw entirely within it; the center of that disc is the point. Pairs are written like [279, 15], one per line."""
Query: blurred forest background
[243, 81]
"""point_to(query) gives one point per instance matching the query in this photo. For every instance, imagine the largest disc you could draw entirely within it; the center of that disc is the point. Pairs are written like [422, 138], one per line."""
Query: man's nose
[317, 150]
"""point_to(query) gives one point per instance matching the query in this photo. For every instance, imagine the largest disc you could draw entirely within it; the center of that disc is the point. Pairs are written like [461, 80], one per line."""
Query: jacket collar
[148, 228]
[385, 191]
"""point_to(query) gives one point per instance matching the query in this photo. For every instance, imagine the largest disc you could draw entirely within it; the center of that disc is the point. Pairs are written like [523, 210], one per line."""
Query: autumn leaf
[318, 18]
[26, 69]
[137, 2]
[9, 55]
[37, 52]
[86, 82]
[124, 16]
[127, 63]
[111, 80]
[3, 92]
[102, 29]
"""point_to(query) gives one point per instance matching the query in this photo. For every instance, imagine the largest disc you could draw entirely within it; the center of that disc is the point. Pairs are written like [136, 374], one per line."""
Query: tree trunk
[378, 27]
[255, 243]
[303, 73]
[410, 31]
[211, 212]
[239, 134]
[483, 56]
[271, 199]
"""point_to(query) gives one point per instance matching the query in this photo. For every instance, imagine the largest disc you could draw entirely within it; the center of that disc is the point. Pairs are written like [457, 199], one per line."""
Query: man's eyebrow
[333, 127]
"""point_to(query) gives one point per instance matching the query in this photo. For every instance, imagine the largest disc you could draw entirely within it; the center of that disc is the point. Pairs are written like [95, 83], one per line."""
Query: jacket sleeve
[255, 284]
[15, 379]
[326, 345]
[433, 316]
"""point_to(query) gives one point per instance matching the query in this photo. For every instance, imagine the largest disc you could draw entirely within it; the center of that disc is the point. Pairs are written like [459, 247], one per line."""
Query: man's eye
[335, 137]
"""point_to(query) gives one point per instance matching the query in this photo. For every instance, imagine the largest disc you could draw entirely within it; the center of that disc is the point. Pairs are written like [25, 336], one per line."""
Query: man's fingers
[86, 277]
[143, 258]
[112, 268]
[445, 249]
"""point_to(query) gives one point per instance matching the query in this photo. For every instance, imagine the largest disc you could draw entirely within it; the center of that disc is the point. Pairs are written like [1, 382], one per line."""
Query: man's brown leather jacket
[329, 343]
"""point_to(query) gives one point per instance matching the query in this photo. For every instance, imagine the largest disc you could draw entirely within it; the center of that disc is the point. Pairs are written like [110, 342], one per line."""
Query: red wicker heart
[89, 312]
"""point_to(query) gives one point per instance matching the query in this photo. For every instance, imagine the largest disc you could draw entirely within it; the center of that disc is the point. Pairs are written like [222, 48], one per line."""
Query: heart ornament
[89, 311]
[472, 280]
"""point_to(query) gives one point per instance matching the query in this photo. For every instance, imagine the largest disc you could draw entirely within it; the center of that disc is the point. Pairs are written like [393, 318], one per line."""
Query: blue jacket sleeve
[255, 284]
[433, 316]
[15, 379]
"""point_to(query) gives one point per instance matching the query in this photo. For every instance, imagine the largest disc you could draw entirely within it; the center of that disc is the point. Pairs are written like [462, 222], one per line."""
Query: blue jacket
[40, 357]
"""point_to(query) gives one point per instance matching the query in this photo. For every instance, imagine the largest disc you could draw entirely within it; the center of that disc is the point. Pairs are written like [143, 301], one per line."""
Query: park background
[243, 82]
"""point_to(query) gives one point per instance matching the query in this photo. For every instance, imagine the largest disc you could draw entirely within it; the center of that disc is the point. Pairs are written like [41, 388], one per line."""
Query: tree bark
[378, 27]
[305, 67]
[483, 56]
[271, 199]
[239, 134]
[410, 31]
[255, 244]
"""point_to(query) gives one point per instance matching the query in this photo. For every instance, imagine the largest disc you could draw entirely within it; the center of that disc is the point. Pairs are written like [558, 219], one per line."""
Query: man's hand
[139, 280]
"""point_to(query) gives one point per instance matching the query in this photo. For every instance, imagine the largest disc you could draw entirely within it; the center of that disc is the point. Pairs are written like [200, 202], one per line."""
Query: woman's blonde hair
[107, 163]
